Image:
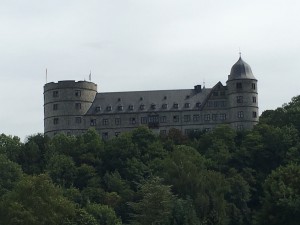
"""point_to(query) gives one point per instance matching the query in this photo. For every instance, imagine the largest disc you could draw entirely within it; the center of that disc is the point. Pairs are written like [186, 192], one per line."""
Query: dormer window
[98, 109]
[198, 104]
[175, 106]
[120, 108]
[164, 106]
[130, 107]
[108, 108]
[153, 106]
[142, 107]
[187, 105]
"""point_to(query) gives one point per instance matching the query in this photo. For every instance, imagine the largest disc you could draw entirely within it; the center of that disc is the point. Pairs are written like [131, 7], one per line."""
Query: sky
[131, 45]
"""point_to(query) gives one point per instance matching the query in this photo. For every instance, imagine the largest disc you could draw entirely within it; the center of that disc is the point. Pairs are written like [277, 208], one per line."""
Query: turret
[65, 104]
[242, 96]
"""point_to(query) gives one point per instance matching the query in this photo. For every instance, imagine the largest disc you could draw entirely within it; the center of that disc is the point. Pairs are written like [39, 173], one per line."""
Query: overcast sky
[142, 45]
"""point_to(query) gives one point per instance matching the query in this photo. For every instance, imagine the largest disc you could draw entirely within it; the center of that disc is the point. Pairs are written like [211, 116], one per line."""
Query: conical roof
[241, 70]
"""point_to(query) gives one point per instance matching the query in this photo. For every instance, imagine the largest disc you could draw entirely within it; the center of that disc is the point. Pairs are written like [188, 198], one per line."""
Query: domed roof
[241, 70]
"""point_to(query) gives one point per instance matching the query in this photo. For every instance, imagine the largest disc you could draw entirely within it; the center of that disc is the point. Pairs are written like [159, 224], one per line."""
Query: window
[163, 132]
[240, 114]
[77, 106]
[175, 105]
[153, 106]
[196, 117]
[222, 93]
[78, 120]
[214, 117]
[93, 122]
[98, 109]
[216, 103]
[239, 99]
[55, 106]
[187, 105]
[105, 122]
[239, 85]
[144, 120]
[153, 119]
[198, 104]
[187, 118]
[130, 107]
[77, 93]
[222, 104]
[108, 108]
[253, 86]
[240, 127]
[142, 107]
[55, 94]
[215, 93]
[132, 120]
[163, 119]
[176, 119]
[254, 114]
[105, 135]
[55, 121]
[120, 108]
[207, 117]
[222, 116]
[254, 99]
[164, 106]
[187, 131]
[117, 121]
[209, 104]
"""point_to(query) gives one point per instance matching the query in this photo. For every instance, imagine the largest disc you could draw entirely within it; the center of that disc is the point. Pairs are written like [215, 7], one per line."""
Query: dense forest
[221, 177]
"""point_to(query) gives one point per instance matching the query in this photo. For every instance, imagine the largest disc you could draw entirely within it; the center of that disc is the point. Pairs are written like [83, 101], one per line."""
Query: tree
[10, 174]
[62, 170]
[281, 200]
[155, 204]
[103, 214]
[35, 200]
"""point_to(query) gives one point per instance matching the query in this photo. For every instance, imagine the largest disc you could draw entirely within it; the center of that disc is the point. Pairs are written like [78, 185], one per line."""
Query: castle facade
[74, 107]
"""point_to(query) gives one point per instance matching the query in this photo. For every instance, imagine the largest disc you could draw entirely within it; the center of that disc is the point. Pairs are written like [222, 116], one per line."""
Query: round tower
[65, 104]
[242, 96]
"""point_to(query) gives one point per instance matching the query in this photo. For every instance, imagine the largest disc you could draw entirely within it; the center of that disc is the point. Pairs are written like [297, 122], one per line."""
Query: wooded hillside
[221, 177]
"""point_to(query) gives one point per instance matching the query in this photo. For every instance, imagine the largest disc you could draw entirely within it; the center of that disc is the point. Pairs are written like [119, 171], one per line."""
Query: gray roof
[152, 100]
[241, 70]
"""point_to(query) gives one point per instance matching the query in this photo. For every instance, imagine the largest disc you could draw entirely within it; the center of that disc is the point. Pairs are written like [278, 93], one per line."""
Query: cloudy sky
[142, 45]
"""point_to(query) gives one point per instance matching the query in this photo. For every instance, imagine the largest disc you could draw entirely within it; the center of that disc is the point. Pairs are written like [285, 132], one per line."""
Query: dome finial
[240, 53]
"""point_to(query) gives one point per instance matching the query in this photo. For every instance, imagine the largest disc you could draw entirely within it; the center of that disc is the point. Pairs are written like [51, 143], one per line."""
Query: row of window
[55, 94]
[239, 99]
[154, 119]
[216, 104]
[239, 85]
[143, 107]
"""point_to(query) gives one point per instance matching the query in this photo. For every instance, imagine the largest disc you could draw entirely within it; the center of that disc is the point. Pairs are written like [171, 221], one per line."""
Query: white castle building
[74, 107]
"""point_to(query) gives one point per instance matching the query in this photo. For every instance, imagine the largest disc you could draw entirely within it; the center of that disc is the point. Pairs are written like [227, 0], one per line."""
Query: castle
[73, 107]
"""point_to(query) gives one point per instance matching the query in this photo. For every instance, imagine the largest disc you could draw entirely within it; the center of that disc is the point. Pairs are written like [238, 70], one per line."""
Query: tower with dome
[72, 107]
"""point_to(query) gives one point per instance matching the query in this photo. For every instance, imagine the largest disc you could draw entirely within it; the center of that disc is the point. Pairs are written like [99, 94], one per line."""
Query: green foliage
[281, 201]
[221, 177]
[10, 146]
[155, 204]
[103, 214]
[35, 200]
[10, 173]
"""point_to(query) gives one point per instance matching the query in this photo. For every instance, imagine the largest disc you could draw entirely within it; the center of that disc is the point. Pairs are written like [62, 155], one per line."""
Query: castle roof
[241, 70]
[152, 101]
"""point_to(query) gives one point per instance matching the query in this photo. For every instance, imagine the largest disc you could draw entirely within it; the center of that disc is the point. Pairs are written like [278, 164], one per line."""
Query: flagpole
[46, 75]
